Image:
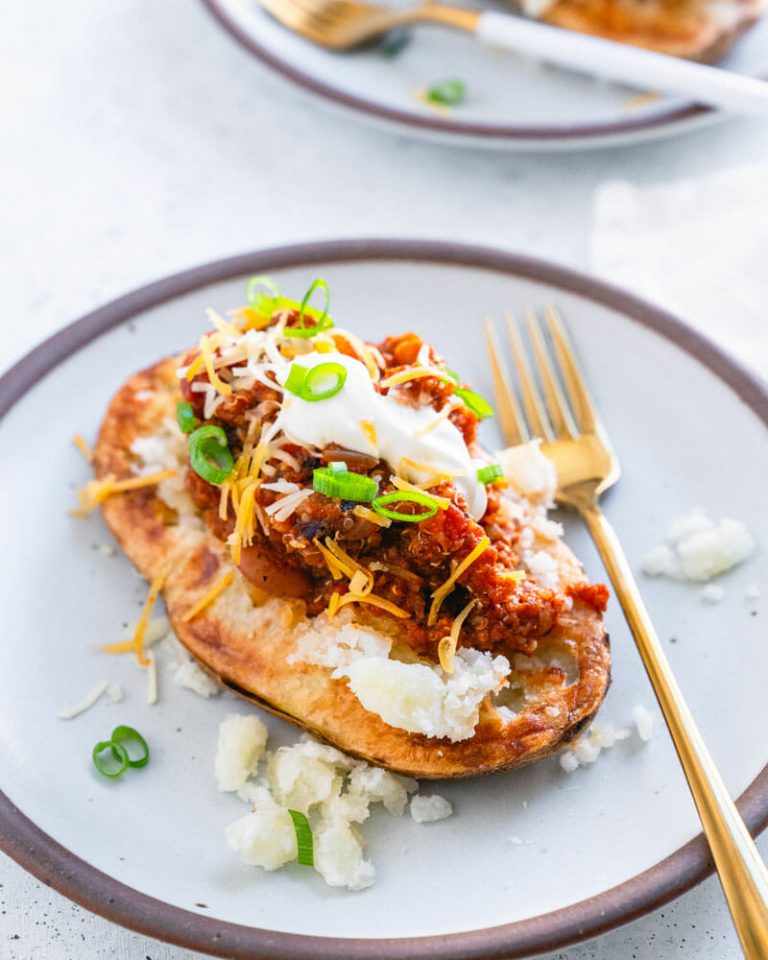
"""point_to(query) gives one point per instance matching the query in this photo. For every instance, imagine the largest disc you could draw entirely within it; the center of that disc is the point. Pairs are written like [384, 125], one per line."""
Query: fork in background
[557, 407]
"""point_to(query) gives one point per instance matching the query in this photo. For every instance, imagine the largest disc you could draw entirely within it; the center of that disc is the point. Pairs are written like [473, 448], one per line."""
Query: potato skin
[246, 646]
[681, 28]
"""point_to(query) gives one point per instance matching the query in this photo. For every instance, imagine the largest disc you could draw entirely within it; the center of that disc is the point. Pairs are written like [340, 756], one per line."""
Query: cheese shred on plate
[447, 647]
[96, 492]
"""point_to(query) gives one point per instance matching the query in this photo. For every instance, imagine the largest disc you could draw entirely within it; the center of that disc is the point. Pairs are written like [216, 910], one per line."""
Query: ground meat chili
[408, 561]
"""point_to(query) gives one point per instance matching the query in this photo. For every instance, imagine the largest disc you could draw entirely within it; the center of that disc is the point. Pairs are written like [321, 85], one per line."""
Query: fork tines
[555, 402]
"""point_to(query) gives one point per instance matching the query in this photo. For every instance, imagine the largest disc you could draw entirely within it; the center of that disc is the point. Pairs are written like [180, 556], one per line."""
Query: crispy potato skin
[246, 646]
[681, 28]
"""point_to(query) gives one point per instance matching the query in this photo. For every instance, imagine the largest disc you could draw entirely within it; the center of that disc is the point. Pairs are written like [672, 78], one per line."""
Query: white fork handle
[640, 68]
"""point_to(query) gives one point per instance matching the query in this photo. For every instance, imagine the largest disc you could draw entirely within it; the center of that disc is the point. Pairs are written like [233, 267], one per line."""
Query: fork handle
[742, 872]
[625, 64]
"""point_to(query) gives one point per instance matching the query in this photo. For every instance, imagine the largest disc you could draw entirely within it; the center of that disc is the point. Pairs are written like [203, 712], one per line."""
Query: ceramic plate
[598, 846]
[512, 103]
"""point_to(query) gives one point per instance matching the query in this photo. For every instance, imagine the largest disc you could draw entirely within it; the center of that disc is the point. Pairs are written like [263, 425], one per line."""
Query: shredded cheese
[207, 599]
[228, 329]
[369, 430]
[82, 446]
[445, 588]
[512, 575]
[395, 571]
[224, 500]
[242, 535]
[370, 598]
[86, 703]
[206, 352]
[443, 415]
[446, 649]
[96, 492]
[347, 564]
[415, 373]
[361, 583]
[152, 679]
[442, 503]
[136, 644]
[365, 514]
[333, 565]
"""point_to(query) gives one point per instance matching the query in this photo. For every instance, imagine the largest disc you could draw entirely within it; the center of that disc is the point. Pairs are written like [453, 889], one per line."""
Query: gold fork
[342, 24]
[564, 416]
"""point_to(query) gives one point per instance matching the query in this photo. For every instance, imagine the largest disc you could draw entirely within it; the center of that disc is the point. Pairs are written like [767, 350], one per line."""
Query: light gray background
[137, 139]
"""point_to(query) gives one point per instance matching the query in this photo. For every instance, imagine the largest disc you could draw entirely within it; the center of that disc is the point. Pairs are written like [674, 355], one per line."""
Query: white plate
[512, 103]
[148, 851]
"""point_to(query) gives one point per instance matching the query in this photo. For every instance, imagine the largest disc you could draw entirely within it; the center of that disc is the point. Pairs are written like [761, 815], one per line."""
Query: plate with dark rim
[530, 860]
[512, 102]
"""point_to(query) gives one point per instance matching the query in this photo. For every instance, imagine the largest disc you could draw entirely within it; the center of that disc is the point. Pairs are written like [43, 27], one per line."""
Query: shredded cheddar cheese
[512, 575]
[361, 583]
[96, 492]
[365, 514]
[207, 599]
[206, 352]
[446, 649]
[332, 563]
[136, 644]
[251, 319]
[82, 446]
[224, 500]
[370, 598]
[433, 424]
[445, 588]
[369, 431]
[442, 503]
[415, 373]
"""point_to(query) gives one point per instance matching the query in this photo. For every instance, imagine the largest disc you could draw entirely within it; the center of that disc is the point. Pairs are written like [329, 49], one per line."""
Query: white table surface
[136, 139]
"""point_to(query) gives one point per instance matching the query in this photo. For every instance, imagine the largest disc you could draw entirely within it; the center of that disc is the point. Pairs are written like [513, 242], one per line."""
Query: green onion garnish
[263, 303]
[209, 454]
[449, 93]
[303, 838]
[477, 404]
[316, 383]
[337, 467]
[491, 473]
[322, 320]
[110, 759]
[344, 486]
[186, 418]
[405, 496]
[123, 735]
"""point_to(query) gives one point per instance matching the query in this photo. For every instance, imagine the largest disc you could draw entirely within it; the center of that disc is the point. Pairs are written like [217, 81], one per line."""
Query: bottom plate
[599, 846]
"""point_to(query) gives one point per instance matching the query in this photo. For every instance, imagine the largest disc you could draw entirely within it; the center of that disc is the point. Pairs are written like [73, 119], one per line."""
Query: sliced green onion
[263, 303]
[321, 319]
[405, 496]
[344, 486]
[491, 473]
[453, 375]
[123, 735]
[304, 840]
[316, 383]
[449, 93]
[338, 467]
[110, 759]
[210, 455]
[185, 416]
[295, 379]
[475, 402]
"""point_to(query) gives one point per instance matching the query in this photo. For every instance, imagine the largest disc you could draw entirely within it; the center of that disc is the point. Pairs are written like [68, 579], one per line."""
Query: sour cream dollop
[361, 419]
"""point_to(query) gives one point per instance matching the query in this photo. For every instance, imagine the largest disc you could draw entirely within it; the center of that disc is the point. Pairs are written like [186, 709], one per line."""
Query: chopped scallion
[110, 759]
[316, 383]
[123, 736]
[344, 486]
[448, 93]
[209, 454]
[477, 404]
[185, 416]
[380, 505]
[491, 473]
[321, 319]
[304, 840]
